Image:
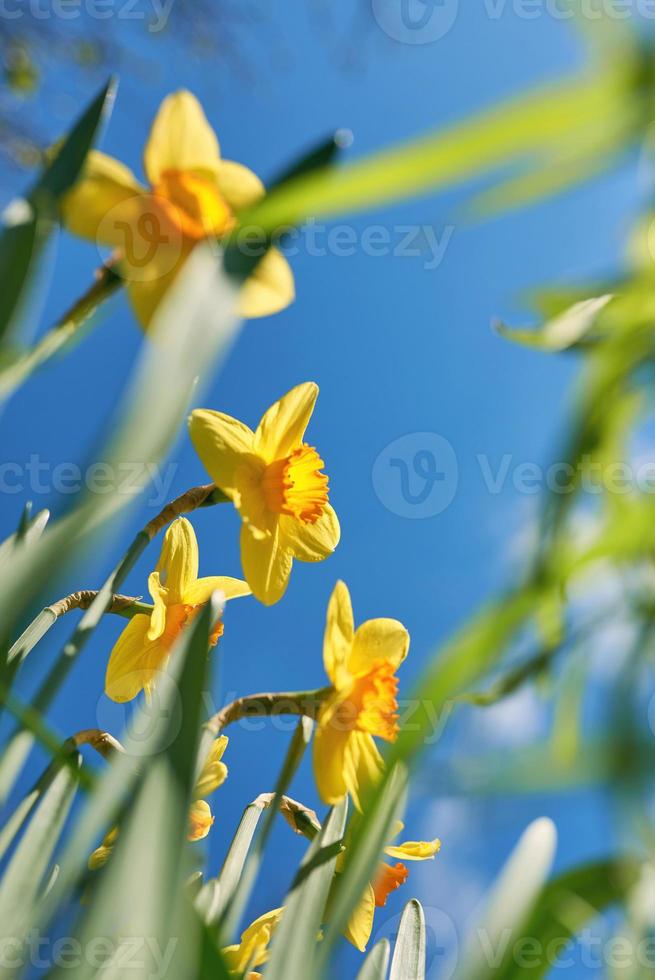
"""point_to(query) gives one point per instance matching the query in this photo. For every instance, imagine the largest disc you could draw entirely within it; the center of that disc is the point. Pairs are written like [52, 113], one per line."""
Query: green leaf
[511, 902]
[365, 847]
[293, 947]
[567, 330]
[158, 763]
[522, 131]
[234, 902]
[25, 872]
[376, 963]
[409, 953]
[565, 906]
[215, 893]
[32, 219]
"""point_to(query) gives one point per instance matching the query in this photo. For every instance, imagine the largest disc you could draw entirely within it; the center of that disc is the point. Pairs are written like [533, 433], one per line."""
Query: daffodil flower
[388, 878]
[361, 665]
[194, 194]
[201, 820]
[252, 951]
[144, 646]
[274, 479]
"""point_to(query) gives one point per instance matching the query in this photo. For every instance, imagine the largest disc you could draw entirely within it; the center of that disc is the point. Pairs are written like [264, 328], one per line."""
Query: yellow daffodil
[194, 194]
[361, 665]
[253, 949]
[275, 481]
[201, 820]
[388, 878]
[144, 646]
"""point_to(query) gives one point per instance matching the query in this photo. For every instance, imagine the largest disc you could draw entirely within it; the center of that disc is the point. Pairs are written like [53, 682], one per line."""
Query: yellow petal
[339, 632]
[363, 766]
[221, 443]
[134, 661]
[329, 758]
[103, 201]
[203, 589]
[160, 598]
[311, 542]
[283, 426]
[269, 289]
[253, 949]
[178, 561]
[240, 187]
[360, 925]
[214, 772]
[378, 639]
[181, 139]
[200, 820]
[266, 564]
[415, 850]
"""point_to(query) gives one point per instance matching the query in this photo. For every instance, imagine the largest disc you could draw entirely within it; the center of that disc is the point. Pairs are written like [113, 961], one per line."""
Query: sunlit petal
[283, 426]
[339, 632]
[378, 640]
[312, 542]
[220, 442]
[269, 289]
[266, 564]
[181, 139]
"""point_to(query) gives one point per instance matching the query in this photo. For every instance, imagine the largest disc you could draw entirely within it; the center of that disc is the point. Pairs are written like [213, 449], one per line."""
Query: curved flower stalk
[275, 481]
[361, 665]
[388, 878]
[252, 951]
[194, 195]
[144, 646]
[201, 819]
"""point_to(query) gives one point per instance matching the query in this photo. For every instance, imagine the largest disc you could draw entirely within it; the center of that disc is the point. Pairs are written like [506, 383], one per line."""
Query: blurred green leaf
[511, 902]
[28, 222]
[409, 953]
[376, 964]
[564, 907]
[566, 330]
[28, 866]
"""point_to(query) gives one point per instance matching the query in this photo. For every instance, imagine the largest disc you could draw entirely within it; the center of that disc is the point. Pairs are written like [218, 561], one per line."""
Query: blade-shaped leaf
[365, 848]
[408, 961]
[28, 866]
[32, 219]
[512, 899]
[294, 942]
[376, 963]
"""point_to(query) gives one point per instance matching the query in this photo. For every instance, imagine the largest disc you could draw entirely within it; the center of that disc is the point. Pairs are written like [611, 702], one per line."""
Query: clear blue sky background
[397, 349]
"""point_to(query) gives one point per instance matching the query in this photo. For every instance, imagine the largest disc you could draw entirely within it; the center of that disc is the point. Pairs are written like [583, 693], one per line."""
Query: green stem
[14, 374]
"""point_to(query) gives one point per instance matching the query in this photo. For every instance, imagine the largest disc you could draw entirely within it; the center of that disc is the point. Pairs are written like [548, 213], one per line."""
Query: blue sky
[398, 348]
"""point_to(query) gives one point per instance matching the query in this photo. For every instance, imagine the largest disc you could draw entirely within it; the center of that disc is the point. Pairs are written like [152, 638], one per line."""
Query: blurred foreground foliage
[537, 145]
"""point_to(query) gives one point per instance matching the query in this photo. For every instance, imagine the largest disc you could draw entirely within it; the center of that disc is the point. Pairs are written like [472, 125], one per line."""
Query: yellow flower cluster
[274, 478]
